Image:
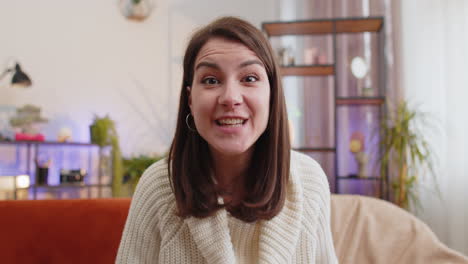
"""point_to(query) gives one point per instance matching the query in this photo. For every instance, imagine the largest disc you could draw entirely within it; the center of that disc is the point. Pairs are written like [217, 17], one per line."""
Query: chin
[231, 150]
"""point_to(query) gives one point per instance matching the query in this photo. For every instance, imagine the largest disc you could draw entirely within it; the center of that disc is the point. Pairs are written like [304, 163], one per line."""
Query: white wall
[85, 58]
[435, 66]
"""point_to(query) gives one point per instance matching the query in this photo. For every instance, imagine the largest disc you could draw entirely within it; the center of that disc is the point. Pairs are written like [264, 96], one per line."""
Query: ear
[189, 90]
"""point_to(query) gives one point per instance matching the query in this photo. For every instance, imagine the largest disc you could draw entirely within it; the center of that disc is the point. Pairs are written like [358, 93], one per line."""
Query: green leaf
[402, 142]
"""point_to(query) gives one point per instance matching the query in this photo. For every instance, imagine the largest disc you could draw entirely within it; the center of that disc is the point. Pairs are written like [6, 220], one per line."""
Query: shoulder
[148, 208]
[153, 193]
[155, 175]
[310, 175]
[308, 171]
[155, 180]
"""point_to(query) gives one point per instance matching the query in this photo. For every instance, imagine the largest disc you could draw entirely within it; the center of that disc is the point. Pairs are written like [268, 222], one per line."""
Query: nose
[231, 95]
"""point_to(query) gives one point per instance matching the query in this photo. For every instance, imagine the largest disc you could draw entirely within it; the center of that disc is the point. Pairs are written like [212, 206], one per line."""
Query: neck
[229, 169]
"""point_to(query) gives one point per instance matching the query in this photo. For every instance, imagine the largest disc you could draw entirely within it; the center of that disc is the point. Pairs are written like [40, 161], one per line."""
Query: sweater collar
[211, 235]
[278, 236]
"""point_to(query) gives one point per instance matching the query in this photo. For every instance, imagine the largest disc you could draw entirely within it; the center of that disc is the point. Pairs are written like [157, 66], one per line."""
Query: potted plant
[134, 168]
[103, 133]
[406, 152]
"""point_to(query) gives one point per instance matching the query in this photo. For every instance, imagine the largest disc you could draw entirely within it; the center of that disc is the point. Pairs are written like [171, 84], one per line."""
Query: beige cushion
[369, 230]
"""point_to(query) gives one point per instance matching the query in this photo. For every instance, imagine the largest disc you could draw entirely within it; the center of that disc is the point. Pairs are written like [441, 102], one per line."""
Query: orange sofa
[365, 230]
[61, 231]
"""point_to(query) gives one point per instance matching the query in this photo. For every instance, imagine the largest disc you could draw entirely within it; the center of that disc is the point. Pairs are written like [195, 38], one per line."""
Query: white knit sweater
[300, 233]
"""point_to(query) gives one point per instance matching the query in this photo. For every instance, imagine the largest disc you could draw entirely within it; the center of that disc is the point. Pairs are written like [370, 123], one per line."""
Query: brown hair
[189, 156]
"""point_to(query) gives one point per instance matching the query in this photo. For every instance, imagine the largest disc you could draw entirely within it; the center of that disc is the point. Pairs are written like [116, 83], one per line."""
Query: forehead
[223, 47]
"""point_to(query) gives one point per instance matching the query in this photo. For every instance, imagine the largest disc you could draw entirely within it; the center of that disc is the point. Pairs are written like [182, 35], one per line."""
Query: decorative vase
[362, 160]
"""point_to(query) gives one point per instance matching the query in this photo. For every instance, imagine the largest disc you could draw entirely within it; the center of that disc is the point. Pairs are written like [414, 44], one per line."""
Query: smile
[231, 121]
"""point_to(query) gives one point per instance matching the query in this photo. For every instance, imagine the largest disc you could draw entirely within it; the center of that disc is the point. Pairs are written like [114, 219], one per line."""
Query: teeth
[231, 121]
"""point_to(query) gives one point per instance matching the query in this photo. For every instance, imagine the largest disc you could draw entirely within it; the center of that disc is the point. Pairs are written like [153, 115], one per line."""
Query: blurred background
[119, 62]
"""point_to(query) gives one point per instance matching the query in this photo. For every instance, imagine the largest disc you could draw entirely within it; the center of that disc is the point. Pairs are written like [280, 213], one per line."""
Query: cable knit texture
[300, 233]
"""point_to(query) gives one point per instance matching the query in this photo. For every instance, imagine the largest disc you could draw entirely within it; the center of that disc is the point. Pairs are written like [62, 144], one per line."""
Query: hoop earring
[187, 123]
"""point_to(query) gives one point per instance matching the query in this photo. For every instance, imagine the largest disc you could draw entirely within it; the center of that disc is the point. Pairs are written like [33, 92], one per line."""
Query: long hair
[190, 167]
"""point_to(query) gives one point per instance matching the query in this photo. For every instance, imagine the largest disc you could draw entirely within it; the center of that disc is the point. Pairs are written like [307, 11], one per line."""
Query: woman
[231, 190]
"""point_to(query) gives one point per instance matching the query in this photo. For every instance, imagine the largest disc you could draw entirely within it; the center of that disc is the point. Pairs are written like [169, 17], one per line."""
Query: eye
[210, 81]
[250, 78]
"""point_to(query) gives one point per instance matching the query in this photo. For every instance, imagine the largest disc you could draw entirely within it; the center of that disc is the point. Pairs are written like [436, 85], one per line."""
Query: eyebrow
[250, 62]
[207, 64]
[216, 66]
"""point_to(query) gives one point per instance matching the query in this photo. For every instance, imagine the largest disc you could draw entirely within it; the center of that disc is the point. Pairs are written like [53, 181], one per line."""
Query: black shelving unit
[333, 28]
[32, 150]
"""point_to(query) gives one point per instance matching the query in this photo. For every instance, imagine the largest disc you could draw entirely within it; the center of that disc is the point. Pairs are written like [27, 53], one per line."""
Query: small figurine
[64, 135]
[310, 56]
[286, 57]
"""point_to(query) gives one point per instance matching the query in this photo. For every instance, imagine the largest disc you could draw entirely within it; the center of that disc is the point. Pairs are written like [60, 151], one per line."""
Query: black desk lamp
[19, 77]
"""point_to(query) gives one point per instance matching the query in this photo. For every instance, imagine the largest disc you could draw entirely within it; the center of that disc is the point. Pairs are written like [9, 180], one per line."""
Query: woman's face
[229, 97]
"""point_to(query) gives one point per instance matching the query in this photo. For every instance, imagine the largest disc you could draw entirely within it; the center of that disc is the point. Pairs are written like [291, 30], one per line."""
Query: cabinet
[337, 108]
[22, 157]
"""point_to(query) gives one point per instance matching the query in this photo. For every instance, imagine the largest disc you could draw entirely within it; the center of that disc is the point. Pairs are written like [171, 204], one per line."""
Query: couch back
[365, 230]
[61, 231]
[370, 230]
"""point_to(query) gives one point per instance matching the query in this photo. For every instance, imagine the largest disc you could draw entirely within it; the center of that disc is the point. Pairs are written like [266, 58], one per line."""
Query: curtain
[434, 55]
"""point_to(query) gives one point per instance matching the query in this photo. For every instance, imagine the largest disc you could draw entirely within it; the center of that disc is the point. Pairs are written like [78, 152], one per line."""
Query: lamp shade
[20, 78]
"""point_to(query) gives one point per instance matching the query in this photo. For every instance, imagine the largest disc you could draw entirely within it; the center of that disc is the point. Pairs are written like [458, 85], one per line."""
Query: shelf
[360, 100]
[308, 70]
[359, 25]
[25, 142]
[324, 26]
[63, 154]
[358, 178]
[69, 186]
[298, 28]
[331, 29]
[315, 149]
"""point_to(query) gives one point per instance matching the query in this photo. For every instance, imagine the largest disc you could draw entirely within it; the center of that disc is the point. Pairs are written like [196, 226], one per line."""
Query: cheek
[198, 111]
[201, 108]
[262, 105]
[266, 101]
[266, 113]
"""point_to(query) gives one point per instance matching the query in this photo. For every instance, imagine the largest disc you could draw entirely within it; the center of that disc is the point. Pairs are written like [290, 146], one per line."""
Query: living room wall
[85, 58]
[434, 66]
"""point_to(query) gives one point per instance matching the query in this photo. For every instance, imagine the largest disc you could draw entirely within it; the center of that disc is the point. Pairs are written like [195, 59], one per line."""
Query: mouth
[231, 122]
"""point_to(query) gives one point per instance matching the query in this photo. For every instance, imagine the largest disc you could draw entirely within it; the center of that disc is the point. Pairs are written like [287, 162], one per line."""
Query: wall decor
[136, 10]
